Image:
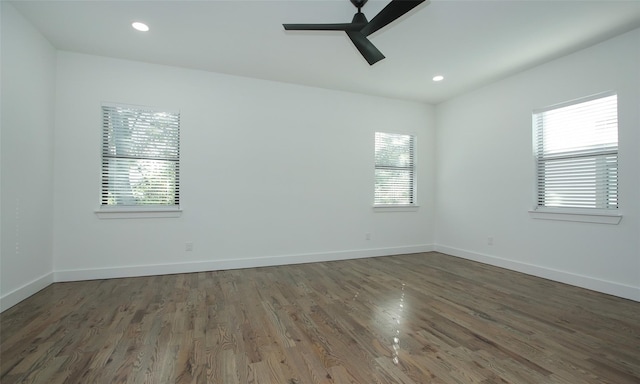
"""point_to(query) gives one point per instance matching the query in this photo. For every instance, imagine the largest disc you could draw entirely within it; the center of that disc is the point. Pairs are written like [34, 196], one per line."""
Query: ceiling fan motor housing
[359, 20]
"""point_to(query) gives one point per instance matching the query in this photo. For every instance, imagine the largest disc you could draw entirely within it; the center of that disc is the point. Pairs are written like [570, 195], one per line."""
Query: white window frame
[138, 210]
[399, 207]
[598, 214]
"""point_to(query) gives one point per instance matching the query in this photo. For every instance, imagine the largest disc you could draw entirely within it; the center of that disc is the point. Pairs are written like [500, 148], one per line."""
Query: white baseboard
[216, 265]
[17, 295]
[10, 299]
[594, 284]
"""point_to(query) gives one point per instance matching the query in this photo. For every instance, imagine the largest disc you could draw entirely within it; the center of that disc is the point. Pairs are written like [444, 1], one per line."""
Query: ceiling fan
[359, 28]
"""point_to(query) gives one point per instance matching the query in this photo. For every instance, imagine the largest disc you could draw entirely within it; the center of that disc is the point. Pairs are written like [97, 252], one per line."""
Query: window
[394, 169]
[140, 157]
[576, 154]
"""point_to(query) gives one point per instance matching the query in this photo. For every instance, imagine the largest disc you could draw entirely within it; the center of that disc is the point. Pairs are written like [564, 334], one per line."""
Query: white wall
[271, 173]
[485, 173]
[27, 109]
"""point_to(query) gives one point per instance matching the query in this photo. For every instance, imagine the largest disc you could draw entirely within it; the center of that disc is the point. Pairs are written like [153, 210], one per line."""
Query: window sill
[395, 208]
[138, 213]
[582, 217]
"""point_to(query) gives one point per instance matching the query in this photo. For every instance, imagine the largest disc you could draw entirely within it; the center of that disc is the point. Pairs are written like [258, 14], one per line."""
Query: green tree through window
[394, 169]
[140, 156]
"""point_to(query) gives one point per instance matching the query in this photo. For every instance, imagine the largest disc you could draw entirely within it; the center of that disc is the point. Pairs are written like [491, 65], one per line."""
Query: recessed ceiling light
[438, 78]
[142, 27]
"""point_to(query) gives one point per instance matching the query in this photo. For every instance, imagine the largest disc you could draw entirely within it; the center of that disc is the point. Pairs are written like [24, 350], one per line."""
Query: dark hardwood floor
[422, 318]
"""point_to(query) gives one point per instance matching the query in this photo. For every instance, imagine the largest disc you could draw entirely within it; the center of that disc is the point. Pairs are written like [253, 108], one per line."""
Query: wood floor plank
[420, 318]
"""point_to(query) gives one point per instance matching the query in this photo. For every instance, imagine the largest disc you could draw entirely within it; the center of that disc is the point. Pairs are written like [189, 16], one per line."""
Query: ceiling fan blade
[366, 48]
[393, 10]
[318, 27]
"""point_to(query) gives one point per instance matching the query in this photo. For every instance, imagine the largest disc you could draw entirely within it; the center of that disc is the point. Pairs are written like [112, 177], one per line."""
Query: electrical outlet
[188, 246]
[490, 240]
[367, 236]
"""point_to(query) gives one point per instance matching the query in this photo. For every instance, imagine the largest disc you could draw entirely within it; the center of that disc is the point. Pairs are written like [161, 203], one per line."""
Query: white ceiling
[471, 43]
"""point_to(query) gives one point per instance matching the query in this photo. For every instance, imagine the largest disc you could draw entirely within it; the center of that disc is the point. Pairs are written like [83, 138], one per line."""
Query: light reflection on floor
[383, 312]
[396, 337]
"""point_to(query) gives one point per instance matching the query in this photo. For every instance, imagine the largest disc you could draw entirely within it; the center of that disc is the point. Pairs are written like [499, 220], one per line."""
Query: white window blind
[140, 156]
[576, 152]
[394, 169]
